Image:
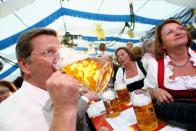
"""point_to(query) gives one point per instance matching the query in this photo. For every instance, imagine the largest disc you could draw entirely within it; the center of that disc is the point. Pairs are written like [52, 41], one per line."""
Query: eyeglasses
[50, 52]
[173, 31]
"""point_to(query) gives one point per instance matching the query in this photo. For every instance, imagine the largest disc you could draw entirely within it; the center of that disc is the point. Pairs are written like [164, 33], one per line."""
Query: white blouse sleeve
[119, 75]
[151, 77]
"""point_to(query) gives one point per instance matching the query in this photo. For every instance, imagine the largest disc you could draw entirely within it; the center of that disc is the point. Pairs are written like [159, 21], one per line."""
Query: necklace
[180, 65]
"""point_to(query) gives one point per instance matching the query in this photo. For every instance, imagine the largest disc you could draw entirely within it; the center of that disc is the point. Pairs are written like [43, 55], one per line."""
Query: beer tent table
[100, 120]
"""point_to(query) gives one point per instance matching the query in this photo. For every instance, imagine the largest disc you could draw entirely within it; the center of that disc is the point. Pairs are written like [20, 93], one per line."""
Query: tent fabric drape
[9, 71]
[90, 38]
[11, 6]
[105, 17]
[64, 11]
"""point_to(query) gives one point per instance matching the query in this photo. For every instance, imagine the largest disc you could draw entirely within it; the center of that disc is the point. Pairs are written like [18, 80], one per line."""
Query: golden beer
[122, 93]
[93, 73]
[112, 108]
[144, 110]
[146, 118]
[123, 96]
[111, 104]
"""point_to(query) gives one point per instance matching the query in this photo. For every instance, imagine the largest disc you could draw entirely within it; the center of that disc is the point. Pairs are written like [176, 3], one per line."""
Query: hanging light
[68, 39]
[129, 31]
[131, 26]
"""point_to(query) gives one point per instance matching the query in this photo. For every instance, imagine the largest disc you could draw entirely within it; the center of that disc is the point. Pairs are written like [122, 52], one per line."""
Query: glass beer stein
[93, 73]
[122, 93]
[144, 110]
[111, 103]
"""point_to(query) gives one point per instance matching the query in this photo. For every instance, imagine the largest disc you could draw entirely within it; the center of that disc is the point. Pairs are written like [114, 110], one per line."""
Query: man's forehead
[50, 44]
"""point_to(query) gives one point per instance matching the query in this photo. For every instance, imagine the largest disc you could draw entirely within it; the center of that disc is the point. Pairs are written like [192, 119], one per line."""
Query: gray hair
[146, 44]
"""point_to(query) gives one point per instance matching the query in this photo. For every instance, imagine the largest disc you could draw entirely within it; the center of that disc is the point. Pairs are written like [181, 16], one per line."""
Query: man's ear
[23, 66]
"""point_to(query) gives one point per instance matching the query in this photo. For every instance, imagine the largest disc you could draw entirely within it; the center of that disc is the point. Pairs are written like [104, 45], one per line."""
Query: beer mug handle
[110, 107]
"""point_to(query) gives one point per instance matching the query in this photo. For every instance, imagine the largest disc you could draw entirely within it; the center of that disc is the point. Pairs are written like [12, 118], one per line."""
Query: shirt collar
[38, 94]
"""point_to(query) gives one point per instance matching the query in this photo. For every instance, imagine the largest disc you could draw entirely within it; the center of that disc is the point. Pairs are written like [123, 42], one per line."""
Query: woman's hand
[162, 95]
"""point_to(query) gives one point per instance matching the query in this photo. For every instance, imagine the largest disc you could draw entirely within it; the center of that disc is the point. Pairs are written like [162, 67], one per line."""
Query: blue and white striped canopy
[79, 18]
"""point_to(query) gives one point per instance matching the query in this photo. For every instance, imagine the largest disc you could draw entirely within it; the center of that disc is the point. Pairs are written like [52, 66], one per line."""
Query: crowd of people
[46, 99]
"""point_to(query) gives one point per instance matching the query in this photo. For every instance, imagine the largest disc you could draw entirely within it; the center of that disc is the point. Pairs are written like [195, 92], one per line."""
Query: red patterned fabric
[175, 93]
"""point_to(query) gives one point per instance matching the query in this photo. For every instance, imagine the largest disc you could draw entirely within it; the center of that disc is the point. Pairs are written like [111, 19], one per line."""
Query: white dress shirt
[30, 109]
[23, 110]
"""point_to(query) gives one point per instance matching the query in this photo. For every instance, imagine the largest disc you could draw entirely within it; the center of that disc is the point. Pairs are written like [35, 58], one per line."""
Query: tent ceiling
[39, 9]
[16, 16]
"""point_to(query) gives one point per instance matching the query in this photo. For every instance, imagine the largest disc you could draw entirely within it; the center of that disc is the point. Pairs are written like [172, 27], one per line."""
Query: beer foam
[140, 100]
[67, 56]
[108, 95]
[120, 86]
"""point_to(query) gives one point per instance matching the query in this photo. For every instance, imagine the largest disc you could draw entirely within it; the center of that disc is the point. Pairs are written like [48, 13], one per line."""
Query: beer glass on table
[111, 103]
[122, 93]
[93, 73]
[144, 110]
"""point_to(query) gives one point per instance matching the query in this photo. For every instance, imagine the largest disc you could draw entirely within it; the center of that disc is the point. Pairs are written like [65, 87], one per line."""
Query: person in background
[36, 50]
[194, 46]
[6, 89]
[171, 77]
[129, 45]
[147, 47]
[109, 58]
[131, 71]
[138, 52]
[102, 49]
[18, 82]
[91, 50]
